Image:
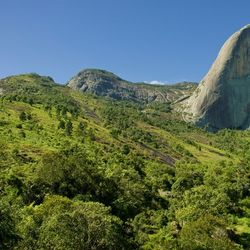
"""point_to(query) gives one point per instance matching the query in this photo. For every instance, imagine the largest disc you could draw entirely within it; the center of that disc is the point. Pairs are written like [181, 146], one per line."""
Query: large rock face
[104, 83]
[222, 99]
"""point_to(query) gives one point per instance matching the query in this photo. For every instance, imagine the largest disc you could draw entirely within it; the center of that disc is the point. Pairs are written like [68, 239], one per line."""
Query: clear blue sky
[140, 40]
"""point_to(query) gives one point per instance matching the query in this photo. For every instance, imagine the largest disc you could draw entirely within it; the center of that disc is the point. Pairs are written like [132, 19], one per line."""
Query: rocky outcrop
[104, 83]
[222, 99]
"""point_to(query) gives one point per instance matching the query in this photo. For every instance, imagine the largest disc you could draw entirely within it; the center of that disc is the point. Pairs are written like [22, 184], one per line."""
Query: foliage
[60, 223]
[86, 172]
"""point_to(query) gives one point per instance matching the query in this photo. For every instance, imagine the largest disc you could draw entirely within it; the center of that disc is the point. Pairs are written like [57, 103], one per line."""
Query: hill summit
[104, 83]
[222, 99]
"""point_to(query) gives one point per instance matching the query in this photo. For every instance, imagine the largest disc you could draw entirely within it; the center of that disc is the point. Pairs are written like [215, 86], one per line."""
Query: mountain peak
[246, 27]
[105, 83]
[98, 72]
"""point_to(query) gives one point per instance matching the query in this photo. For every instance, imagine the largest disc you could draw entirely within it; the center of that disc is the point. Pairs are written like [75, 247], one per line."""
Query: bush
[59, 223]
[22, 116]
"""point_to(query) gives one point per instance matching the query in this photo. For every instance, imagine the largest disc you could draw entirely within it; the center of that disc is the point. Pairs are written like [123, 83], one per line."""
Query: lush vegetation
[83, 172]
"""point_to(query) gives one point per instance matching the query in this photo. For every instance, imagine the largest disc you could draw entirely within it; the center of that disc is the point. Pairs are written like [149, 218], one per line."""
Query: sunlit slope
[154, 131]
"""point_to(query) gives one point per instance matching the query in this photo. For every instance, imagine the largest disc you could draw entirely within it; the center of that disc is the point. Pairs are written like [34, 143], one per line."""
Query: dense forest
[79, 171]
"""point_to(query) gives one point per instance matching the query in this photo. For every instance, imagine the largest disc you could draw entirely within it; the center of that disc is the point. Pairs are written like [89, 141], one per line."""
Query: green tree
[81, 129]
[208, 233]
[59, 223]
[125, 149]
[61, 124]
[69, 128]
[8, 234]
[22, 116]
[71, 173]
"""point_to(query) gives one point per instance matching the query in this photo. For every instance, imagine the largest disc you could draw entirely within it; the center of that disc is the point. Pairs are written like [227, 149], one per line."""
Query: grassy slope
[42, 132]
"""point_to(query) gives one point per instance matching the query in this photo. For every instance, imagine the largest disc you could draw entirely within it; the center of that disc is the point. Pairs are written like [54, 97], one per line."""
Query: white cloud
[155, 82]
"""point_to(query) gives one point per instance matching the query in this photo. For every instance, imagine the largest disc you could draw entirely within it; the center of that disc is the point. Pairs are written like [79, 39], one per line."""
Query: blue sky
[139, 40]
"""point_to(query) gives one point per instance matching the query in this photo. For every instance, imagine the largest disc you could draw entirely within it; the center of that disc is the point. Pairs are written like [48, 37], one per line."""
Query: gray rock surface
[104, 83]
[222, 99]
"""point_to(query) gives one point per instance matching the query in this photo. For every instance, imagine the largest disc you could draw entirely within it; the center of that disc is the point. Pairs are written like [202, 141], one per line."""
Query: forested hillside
[79, 171]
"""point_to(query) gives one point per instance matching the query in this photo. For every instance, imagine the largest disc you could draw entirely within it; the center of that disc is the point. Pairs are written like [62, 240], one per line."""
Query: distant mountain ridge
[104, 83]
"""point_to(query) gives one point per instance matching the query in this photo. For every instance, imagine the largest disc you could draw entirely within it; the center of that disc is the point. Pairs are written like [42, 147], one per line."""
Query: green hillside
[78, 171]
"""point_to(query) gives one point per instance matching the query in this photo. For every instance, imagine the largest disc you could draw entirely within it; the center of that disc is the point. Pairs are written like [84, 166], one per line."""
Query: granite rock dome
[222, 99]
